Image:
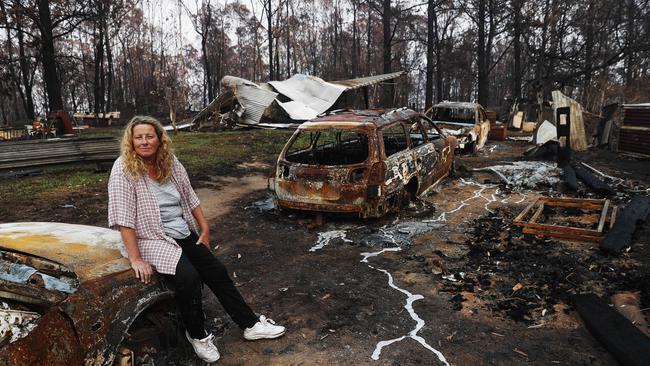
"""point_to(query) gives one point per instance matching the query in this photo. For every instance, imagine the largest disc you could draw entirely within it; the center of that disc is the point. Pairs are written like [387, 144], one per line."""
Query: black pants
[196, 266]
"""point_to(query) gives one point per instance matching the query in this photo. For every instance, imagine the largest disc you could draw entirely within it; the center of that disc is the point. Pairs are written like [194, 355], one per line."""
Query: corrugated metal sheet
[255, 100]
[313, 92]
[298, 111]
[368, 80]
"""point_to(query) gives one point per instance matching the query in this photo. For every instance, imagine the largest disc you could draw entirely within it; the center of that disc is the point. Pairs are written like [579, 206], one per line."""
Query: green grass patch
[213, 153]
[202, 153]
[62, 180]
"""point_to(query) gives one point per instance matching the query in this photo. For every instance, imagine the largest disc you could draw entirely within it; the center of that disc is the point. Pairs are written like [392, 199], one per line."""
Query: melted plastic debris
[20, 273]
[324, 238]
[16, 324]
[15, 272]
[267, 204]
[400, 233]
[62, 284]
[529, 174]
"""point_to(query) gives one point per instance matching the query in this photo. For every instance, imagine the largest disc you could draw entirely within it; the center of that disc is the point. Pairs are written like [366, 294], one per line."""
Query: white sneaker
[264, 329]
[204, 348]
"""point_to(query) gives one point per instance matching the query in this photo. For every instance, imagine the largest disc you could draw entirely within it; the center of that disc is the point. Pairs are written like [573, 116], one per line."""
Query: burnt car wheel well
[154, 324]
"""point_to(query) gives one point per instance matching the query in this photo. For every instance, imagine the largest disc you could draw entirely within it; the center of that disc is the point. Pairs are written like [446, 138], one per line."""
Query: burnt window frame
[381, 138]
[315, 136]
[425, 136]
[433, 124]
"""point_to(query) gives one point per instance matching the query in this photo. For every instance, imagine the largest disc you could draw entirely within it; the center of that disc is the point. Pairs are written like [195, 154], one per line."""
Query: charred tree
[388, 90]
[48, 53]
[482, 54]
[516, 53]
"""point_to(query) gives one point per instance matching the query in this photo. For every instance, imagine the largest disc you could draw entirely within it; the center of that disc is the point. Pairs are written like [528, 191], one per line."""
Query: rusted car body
[467, 121]
[80, 288]
[366, 162]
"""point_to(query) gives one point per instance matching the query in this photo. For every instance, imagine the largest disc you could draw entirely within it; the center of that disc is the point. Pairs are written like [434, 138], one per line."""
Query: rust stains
[86, 324]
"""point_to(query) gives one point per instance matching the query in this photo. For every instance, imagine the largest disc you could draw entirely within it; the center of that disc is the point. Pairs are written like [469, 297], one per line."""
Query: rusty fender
[89, 325]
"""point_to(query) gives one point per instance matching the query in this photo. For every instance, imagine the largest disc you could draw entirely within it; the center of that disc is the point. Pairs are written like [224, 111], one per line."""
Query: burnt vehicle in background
[467, 121]
[67, 295]
[366, 162]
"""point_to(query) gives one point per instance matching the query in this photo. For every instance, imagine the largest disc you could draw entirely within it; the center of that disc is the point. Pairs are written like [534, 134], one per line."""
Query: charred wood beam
[620, 235]
[569, 176]
[592, 181]
[622, 339]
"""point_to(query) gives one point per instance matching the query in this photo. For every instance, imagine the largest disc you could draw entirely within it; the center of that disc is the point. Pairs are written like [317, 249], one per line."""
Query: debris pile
[530, 279]
[527, 174]
[15, 324]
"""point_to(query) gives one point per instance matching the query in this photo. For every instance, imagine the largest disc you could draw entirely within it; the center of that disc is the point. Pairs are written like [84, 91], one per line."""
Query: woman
[152, 204]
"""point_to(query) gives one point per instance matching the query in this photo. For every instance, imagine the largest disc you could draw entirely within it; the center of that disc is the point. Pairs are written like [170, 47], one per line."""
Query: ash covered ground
[448, 280]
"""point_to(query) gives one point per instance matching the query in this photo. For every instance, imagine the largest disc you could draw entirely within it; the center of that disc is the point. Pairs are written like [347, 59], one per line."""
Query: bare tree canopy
[141, 57]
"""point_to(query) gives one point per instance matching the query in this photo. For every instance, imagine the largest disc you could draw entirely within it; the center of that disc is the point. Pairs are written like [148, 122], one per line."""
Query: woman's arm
[142, 269]
[204, 237]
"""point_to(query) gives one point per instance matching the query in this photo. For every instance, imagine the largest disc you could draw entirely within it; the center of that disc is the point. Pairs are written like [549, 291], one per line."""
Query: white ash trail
[410, 298]
[324, 238]
[477, 194]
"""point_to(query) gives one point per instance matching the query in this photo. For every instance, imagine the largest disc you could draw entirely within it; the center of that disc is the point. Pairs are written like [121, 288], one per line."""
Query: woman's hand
[142, 269]
[204, 238]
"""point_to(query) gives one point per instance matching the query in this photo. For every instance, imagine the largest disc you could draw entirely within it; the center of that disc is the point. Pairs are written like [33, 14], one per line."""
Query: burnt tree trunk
[110, 73]
[369, 42]
[52, 81]
[355, 58]
[589, 50]
[516, 72]
[98, 90]
[630, 40]
[288, 34]
[434, 46]
[480, 53]
[388, 89]
[269, 32]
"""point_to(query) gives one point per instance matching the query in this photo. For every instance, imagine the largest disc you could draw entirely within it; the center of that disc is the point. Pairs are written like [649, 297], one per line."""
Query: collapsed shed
[287, 103]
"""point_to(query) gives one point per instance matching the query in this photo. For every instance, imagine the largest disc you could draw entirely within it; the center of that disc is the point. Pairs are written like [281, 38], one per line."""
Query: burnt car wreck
[67, 295]
[467, 121]
[365, 162]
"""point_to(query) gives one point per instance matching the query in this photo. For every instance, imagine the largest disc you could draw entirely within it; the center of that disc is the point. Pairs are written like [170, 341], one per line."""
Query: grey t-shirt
[171, 214]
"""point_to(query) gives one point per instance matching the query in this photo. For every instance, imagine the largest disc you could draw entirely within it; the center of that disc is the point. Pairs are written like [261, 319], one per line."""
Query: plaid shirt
[131, 203]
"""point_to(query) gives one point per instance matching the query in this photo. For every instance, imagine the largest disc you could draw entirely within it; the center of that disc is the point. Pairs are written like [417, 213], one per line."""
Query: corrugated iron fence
[22, 154]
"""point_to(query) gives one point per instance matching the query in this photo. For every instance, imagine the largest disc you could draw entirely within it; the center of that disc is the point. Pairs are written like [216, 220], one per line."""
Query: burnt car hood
[90, 252]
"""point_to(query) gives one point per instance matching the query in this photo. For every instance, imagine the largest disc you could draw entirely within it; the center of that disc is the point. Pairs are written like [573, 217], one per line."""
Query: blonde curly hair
[134, 164]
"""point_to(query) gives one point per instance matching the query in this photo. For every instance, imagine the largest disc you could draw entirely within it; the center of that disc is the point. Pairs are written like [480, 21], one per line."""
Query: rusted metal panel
[83, 326]
[370, 188]
[52, 342]
[82, 249]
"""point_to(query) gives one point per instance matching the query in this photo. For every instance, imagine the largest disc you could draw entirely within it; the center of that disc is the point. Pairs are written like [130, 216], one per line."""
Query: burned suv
[466, 121]
[362, 162]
